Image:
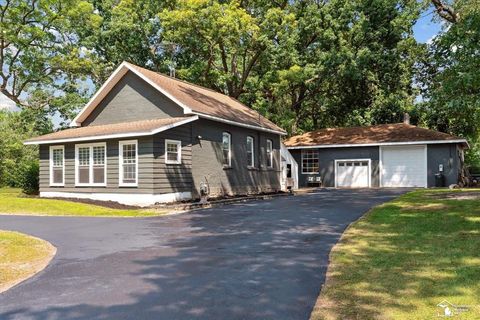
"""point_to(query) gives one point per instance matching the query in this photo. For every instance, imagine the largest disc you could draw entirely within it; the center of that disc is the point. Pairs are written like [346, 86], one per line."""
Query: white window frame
[90, 165]
[179, 151]
[302, 153]
[120, 163]
[229, 149]
[269, 145]
[53, 184]
[252, 151]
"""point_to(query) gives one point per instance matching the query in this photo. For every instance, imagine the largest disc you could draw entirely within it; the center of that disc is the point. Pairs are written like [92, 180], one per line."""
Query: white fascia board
[238, 124]
[116, 135]
[110, 83]
[100, 94]
[186, 109]
[321, 146]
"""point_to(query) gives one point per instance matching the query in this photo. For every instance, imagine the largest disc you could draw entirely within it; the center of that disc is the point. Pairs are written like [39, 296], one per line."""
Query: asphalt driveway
[263, 259]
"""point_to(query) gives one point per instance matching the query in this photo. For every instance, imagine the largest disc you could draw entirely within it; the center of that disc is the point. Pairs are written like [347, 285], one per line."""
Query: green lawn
[12, 201]
[21, 256]
[406, 256]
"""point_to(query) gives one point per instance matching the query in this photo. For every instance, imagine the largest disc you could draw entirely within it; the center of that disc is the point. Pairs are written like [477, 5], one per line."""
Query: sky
[424, 31]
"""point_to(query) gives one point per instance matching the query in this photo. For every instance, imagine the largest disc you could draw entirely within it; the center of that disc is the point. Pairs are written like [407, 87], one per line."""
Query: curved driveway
[263, 259]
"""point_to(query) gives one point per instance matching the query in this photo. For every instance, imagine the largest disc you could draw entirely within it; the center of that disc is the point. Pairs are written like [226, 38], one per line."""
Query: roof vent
[406, 118]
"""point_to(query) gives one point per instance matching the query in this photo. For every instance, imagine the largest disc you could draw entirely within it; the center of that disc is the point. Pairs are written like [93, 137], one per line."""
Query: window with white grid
[57, 166]
[91, 164]
[83, 170]
[173, 152]
[310, 161]
[128, 163]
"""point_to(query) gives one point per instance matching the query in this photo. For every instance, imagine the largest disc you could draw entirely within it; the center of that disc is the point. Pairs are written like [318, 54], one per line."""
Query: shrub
[29, 177]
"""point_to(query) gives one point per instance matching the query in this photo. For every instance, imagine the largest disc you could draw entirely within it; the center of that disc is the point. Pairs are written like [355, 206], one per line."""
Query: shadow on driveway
[264, 259]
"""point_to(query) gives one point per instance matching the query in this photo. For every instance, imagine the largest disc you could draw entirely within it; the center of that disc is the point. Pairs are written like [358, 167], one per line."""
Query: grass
[21, 257]
[12, 201]
[406, 256]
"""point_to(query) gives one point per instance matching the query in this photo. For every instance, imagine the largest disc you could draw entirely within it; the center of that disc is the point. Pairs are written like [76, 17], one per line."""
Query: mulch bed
[106, 204]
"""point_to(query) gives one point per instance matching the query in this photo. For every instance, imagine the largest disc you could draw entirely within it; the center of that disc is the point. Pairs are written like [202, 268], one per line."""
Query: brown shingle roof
[143, 127]
[208, 102]
[385, 133]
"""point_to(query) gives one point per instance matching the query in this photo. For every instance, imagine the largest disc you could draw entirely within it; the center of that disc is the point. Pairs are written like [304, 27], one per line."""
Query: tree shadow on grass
[255, 260]
[403, 259]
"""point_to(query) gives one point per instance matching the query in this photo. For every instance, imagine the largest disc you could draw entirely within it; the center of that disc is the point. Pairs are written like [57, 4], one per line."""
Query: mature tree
[353, 64]
[39, 51]
[223, 42]
[451, 79]
[129, 30]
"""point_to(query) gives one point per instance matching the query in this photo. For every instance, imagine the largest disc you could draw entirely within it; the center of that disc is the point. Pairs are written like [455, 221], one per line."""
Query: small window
[227, 149]
[173, 152]
[250, 152]
[269, 154]
[310, 161]
[128, 154]
[90, 163]
[57, 165]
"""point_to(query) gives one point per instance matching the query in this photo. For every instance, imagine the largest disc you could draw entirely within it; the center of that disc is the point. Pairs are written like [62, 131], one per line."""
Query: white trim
[142, 200]
[90, 165]
[238, 124]
[355, 160]
[179, 151]
[121, 71]
[252, 151]
[301, 163]
[378, 144]
[270, 142]
[116, 135]
[380, 164]
[229, 149]
[120, 163]
[110, 83]
[53, 184]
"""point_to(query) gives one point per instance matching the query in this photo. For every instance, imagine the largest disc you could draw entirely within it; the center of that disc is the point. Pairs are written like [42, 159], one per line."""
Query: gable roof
[193, 99]
[110, 131]
[384, 134]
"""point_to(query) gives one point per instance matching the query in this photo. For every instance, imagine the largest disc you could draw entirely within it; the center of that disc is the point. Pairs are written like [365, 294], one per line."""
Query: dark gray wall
[201, 162]
[238, 179]
[327, 158]
[446, 154]
[168, 178]
[132, 99]
[145, 168]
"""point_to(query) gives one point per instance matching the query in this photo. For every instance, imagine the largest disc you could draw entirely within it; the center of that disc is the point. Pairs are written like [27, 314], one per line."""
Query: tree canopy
[304, 64]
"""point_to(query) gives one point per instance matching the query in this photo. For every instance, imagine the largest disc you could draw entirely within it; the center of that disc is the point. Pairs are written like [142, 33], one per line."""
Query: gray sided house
[146, 138]
[390, 155]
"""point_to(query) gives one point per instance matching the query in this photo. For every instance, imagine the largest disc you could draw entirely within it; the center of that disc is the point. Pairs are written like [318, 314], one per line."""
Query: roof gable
[191, 98]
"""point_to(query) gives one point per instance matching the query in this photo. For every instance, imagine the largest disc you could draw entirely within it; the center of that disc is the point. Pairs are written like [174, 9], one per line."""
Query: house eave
[114, 136]
[321, 146]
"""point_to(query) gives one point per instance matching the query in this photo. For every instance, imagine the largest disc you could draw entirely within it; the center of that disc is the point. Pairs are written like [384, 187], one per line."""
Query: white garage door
[352, 173]
[403, 166]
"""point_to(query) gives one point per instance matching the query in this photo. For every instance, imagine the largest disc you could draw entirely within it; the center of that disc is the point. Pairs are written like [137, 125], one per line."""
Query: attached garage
[403, 166]
[390, 155]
